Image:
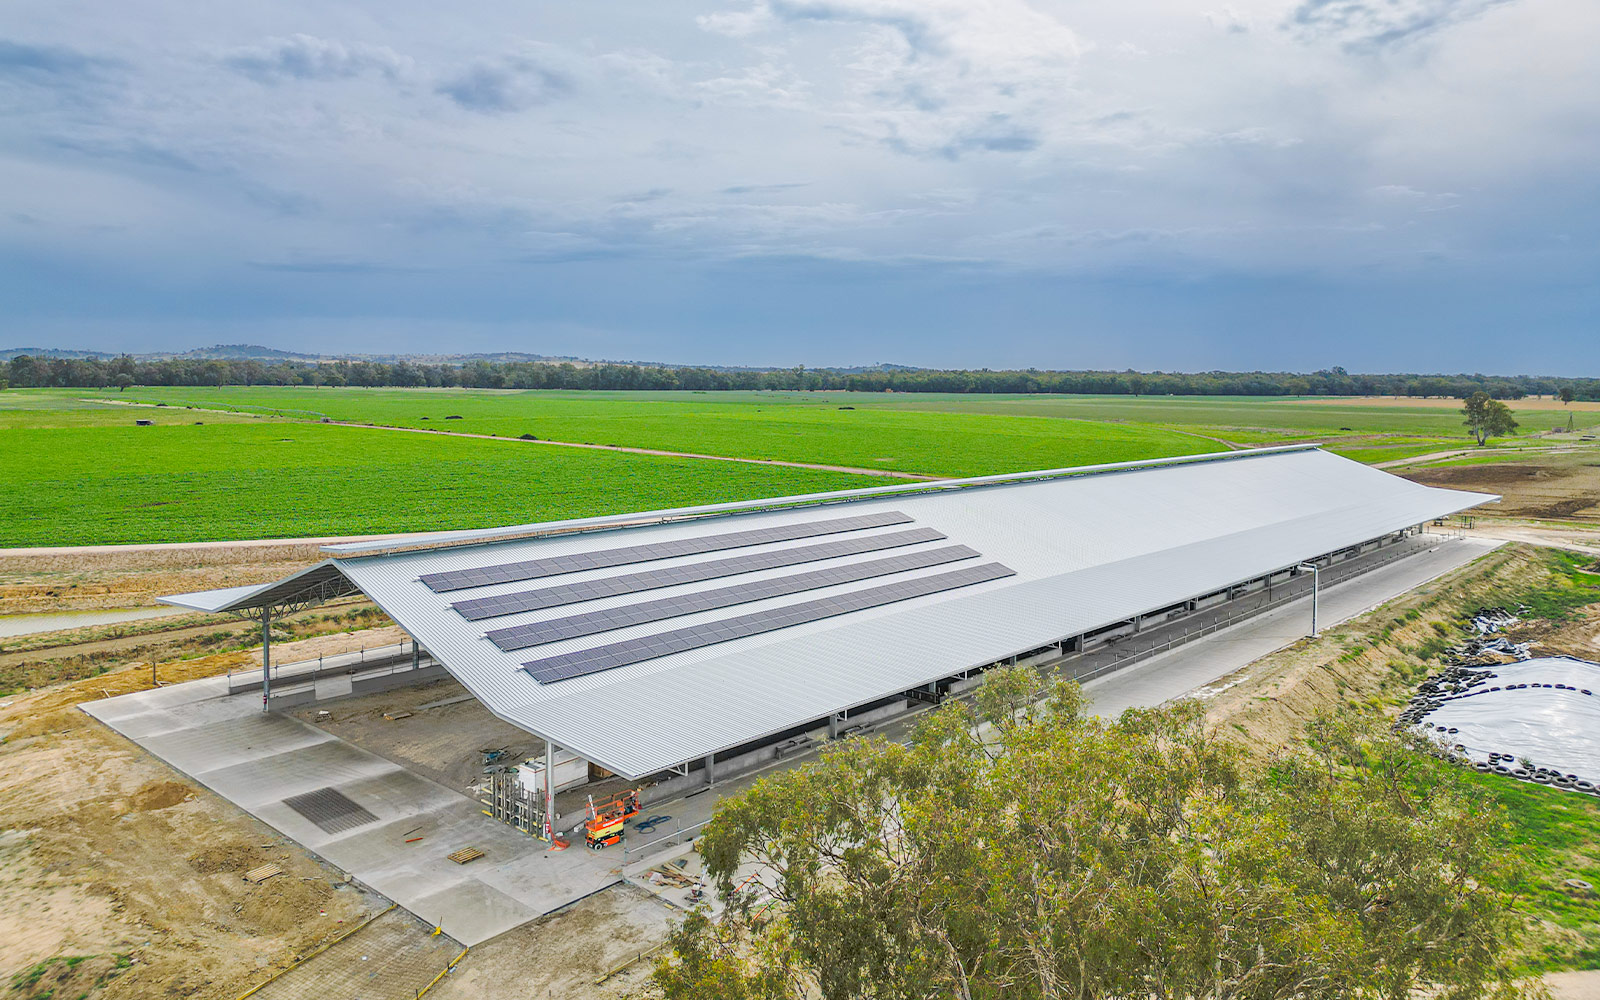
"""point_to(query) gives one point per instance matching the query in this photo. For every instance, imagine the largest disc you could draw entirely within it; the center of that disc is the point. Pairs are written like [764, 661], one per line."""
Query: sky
[1386, 185]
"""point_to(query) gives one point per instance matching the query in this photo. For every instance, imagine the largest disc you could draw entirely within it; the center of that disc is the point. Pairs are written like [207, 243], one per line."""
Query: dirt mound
[235, 858]
[1495, 472]
[160, 795]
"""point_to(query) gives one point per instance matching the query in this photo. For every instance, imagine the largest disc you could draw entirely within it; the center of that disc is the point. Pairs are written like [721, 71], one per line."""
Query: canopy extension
[320, 584]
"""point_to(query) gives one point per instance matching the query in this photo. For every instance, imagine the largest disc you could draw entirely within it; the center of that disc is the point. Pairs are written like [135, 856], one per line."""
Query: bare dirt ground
[1585, 540]
[1555, 487]
[1574, 985]
[39, 661]
[1448, 402]
[440, 742]
[134, 576]
[562, 955]
[107, 852]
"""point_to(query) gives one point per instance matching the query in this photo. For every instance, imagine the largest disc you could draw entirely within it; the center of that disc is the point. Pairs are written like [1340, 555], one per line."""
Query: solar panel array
[593, 622]
[618, 654]
[533, 569]
[631, 583]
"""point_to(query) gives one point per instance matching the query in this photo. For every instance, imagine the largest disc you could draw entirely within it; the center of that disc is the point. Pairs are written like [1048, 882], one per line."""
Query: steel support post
[549, 791]
[1316, 585]
[266, 658]
[711, 770]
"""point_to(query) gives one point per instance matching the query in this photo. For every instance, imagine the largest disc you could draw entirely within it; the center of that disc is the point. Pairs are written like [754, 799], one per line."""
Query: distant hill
[256, 352]
[238, 352]
[221, 352]
[7, 353]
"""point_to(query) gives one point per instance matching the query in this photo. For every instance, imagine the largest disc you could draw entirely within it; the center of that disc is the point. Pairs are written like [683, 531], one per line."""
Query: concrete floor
[257, 760]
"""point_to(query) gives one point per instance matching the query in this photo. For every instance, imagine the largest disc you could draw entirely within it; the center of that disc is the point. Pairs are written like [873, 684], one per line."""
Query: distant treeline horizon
[125, 372]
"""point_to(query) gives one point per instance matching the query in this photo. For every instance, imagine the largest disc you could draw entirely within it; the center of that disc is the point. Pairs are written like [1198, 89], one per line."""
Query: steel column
[549, 791]
[266, 657]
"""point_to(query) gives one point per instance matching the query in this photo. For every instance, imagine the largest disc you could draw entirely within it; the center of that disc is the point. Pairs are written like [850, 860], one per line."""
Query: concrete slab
[256, 760]
[475, 910]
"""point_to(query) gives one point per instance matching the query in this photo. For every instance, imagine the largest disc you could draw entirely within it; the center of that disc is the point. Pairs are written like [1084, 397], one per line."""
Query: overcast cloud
[1383, 184]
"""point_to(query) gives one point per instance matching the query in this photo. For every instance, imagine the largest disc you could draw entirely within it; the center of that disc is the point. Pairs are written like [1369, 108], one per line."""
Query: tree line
[25, 371]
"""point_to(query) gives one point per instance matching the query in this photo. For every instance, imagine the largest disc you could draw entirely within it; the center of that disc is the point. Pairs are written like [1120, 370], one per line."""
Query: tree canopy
[30, 371]
[1021, 849]
[1487, 418]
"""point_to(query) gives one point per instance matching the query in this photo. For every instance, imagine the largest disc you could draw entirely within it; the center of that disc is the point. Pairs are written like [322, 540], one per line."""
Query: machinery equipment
[606, 822]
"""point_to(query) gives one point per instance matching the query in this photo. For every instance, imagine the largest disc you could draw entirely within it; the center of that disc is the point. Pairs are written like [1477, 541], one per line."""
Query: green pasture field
[247, 462]
[934, 433]
[1554, 832]
[97, 484]
[842, 429]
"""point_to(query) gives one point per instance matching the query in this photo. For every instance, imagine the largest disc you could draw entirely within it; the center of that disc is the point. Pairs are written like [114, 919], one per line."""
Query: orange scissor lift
[606, 822]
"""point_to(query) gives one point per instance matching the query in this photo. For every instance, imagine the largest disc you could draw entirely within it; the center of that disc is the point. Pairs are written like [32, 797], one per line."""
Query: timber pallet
[261, 874]
[464, 855]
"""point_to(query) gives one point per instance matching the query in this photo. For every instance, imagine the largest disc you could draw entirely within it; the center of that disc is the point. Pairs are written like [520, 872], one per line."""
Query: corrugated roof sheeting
[1088, 551]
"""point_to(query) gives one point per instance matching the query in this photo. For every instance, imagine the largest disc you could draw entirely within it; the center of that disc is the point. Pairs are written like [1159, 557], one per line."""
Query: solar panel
[618, 654]
[593, 622]
[533, 569]
[480, 608]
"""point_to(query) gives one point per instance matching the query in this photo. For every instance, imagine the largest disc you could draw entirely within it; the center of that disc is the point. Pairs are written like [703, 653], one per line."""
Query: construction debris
[261, 874]
[1491, 620]
[396, 716]
[666, 876]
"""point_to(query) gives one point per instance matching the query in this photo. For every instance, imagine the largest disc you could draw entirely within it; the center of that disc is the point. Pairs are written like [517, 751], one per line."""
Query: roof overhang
[316, 585]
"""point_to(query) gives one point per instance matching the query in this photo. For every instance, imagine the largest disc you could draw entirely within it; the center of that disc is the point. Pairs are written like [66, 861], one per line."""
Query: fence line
[289, 676]
[671, 838]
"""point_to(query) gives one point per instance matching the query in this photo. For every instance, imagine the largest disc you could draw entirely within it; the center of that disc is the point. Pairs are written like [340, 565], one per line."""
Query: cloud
[307, 265]
[762, 188]
[306, 57]
[1228, 19]
[926, 78]
[510, 83]
[1365, 24]
[50, 64]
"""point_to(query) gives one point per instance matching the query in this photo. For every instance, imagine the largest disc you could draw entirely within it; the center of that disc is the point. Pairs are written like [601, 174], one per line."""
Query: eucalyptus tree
[1023, 849]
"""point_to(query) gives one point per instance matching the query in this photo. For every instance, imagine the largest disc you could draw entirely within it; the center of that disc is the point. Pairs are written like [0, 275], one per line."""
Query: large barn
[661, 641]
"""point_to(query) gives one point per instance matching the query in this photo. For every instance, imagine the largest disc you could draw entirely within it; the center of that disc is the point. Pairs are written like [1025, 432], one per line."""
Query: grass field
[82, 482]
[832, 429]
[239, 462]
[935, 433]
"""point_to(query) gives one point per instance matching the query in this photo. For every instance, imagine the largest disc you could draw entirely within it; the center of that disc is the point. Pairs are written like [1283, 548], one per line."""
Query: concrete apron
[257, 760]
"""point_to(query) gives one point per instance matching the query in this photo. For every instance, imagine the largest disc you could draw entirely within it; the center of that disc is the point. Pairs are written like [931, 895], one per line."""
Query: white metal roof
[1090, 547]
